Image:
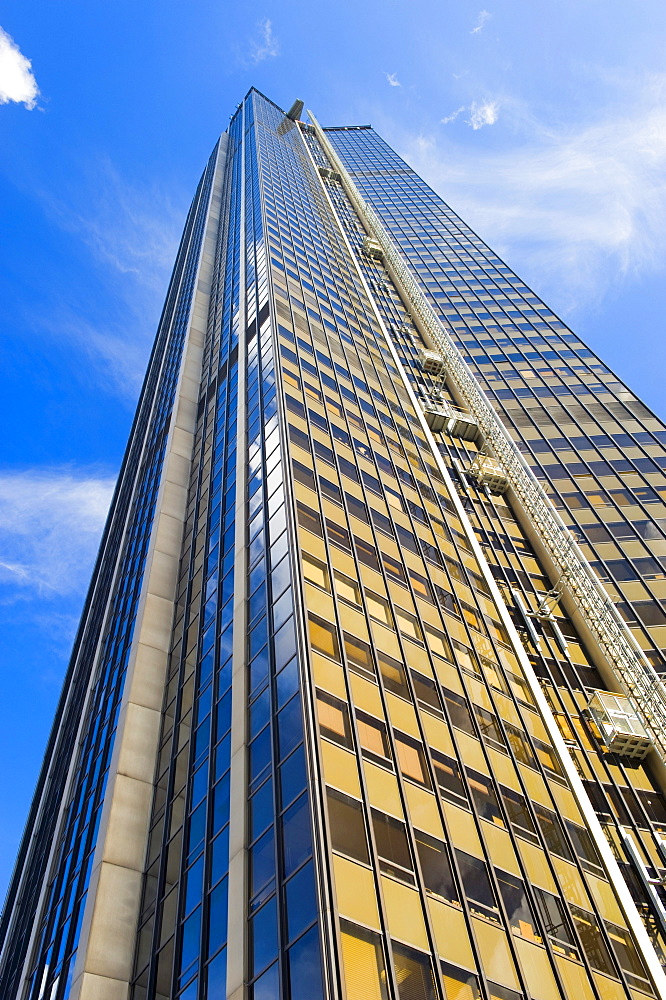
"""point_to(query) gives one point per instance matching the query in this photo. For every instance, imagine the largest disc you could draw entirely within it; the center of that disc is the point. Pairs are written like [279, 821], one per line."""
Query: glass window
[347, 825]
[627, 955]
[435, 867]
[593, 943]
[459, 712]
[363, 961]
[413, 974]
[459, 984]
[378, 607]
[301, 900]
[408, 624]
[476, 884]
[449, 780]
[346, 588]
[438, 643]
[516, 904]
[392, 846]
[263, 936]
[338, 535]
[426, 693]
[555, 922]
[323, 637]
[296, 834]
[315, 571]
[393, 674]
[484, 797]
[584, 847]
[519, 744]
[372, 736]
[334, 719]
[518, 813]
[304, 967]
[359, 655]
[552, 831]
[411, 759]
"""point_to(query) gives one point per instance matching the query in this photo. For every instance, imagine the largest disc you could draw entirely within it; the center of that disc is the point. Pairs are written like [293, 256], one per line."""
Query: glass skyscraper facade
[365, 701]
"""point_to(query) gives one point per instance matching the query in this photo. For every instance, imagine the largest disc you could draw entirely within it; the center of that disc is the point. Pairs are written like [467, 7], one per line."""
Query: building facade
[365, 702]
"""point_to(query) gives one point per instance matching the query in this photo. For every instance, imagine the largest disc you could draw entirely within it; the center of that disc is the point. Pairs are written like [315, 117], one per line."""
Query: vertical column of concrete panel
[105, 954]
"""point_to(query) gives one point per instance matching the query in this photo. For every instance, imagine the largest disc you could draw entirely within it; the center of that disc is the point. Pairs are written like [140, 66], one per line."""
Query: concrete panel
[125, 841]
[157, 617]
[146, 680]
[89, 987]
[164, 575]
[112, 931]
[140, 728]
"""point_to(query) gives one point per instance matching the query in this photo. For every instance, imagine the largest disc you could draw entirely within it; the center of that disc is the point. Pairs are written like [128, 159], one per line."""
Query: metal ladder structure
[635, 674]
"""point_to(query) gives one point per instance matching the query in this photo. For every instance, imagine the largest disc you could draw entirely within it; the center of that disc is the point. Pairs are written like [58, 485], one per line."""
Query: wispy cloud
[266, 46]
[50, 525]
[393, 80]
[481, 21]
[17, 83]
[575, 209]
[482, 114]
[132, 232]
[452, 117]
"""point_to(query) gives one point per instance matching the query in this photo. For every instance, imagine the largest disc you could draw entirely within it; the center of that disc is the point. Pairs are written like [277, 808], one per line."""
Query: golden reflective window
[323, 636]
[410, 758]
[347, 588]
[378, 607]
[333, 717]
[408, 624]
[372, 734]
[315, 571]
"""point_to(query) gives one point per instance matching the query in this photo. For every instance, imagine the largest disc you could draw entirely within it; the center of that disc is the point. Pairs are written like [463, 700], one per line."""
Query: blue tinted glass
[220, 861]
[259, 669]
[267, 987]
[262, 861]
[263, 935]
[217, 931]
[301, 901]
[305, 968]
[221, 800]
[296, 834]
[197, 826]
[290, 726]
[260, 753]
[292, 777]
[287, 681]
[217, 976]
[261, 809]
[260, 713]
[191, 935]
[193, 890]
[284, 644]
[224, 714]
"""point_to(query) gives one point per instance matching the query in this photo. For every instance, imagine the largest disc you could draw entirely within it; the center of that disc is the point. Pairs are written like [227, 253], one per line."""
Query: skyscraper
[365, 701]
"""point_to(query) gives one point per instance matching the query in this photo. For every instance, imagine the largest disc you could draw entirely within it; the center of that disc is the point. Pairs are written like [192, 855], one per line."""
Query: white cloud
[452, 117]
[132, 231]
[481, 21]
[574, 209]
[50, 526]
[267, 45]
[483, 114]
[393, 80]
[17, 83]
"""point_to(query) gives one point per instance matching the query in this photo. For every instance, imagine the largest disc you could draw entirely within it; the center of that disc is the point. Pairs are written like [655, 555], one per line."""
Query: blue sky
[543, 124]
